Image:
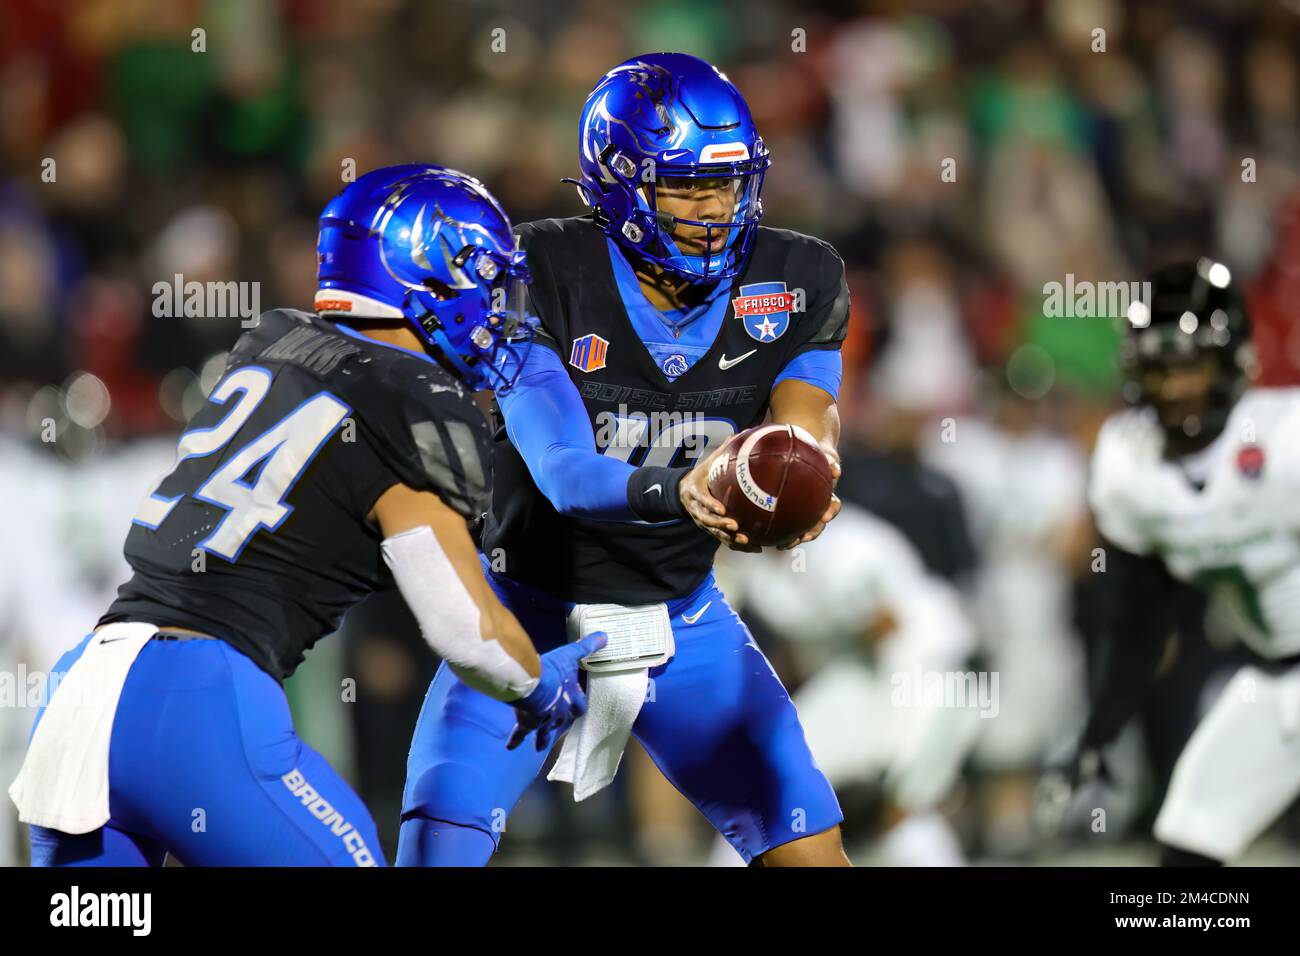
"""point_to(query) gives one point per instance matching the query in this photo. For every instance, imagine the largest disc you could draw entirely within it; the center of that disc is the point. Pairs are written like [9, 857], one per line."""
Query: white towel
[594, 745]
[617, 680]
[63, 783]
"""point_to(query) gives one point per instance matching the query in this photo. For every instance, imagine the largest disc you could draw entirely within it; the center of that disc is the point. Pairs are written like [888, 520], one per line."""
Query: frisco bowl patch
[764, 308]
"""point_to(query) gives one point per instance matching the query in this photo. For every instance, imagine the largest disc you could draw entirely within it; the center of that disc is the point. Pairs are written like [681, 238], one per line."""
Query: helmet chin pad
[700, 267]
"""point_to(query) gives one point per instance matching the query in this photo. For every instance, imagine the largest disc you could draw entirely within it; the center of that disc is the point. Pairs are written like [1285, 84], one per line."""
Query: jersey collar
[348, 330]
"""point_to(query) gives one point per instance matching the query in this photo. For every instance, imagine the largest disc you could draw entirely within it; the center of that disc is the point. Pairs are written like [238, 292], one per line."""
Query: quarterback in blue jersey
[340, 454]
[670, 320]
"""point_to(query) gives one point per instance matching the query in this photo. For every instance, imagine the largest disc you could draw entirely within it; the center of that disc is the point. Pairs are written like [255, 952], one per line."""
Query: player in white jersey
[1200, 484]
[892, 702]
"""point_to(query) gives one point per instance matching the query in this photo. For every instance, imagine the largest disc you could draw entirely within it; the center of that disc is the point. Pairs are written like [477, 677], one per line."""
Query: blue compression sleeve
[821, 367]
[548, 423]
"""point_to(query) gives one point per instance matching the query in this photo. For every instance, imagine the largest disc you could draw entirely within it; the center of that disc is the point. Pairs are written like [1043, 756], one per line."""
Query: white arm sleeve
[448, 616]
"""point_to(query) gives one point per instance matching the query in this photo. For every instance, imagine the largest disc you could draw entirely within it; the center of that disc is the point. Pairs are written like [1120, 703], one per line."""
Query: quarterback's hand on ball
[833, 458]
[706, 510]
[557, 700]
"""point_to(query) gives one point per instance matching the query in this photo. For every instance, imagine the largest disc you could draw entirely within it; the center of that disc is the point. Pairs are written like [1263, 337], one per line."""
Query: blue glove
[557, 700]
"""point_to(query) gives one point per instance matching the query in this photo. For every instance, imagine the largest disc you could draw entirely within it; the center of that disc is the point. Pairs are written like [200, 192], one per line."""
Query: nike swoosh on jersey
[655, 487]
[725, 363]
[692, 618]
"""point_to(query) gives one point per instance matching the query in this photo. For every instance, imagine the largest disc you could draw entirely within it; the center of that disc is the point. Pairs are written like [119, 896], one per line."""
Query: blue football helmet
[672, 119]
[432, 246]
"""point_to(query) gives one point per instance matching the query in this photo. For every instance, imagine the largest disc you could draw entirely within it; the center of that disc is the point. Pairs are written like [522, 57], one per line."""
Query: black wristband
[652, 493]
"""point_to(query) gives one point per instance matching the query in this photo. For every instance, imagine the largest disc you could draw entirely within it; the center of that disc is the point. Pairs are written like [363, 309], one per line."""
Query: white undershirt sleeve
[448, 616]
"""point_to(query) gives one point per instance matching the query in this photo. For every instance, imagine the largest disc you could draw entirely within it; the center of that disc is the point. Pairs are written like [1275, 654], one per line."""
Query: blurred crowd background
[959, 154]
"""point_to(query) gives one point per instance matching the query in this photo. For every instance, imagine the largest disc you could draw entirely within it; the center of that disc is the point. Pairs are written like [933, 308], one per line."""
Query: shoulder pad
[426, 426]
[813, 265]
[575, 243]
[1128, 442]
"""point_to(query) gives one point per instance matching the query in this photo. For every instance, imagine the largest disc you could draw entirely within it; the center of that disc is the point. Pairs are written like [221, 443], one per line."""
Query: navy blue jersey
[261, 534]
[790, 298]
